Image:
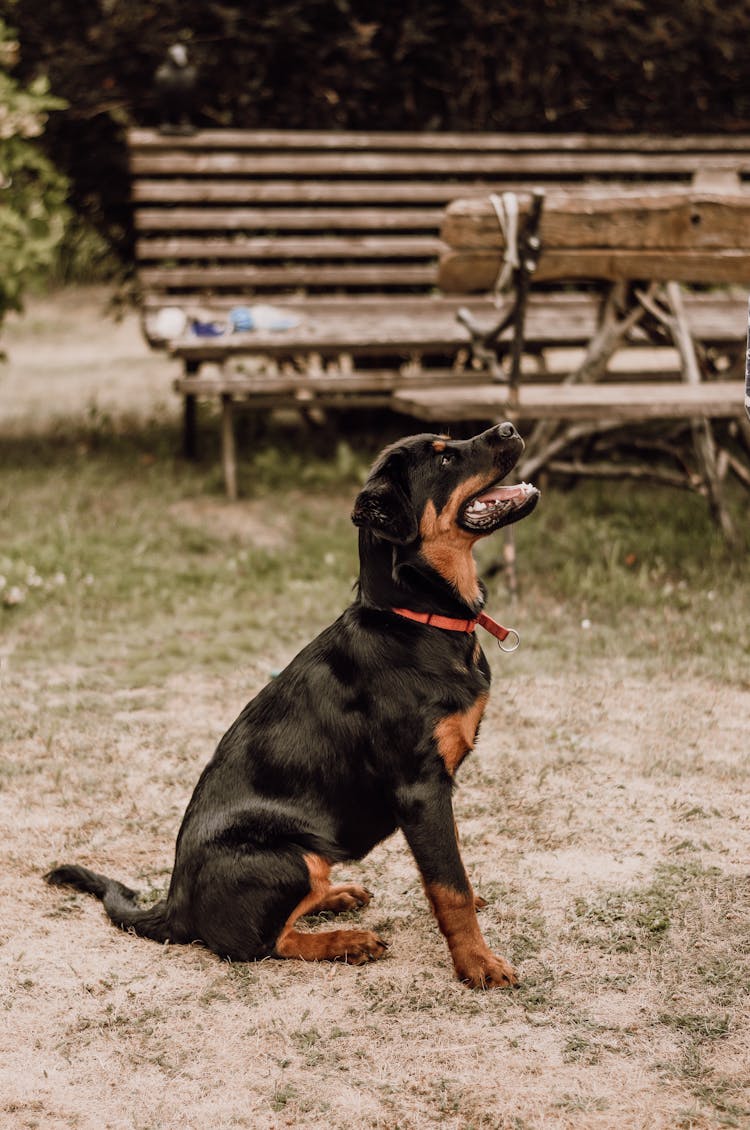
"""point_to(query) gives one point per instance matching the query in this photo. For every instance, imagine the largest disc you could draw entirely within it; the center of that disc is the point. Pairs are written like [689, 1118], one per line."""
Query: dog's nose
[506, 430]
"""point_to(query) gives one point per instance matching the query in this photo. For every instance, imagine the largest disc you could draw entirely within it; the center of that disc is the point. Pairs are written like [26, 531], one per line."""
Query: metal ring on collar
[514, 646]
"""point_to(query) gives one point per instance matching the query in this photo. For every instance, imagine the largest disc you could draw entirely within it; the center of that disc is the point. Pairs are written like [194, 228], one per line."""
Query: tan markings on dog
[439, 445]
[474, 962]
[455, 735]
[446, 547]
[349, 896]
[320, 885]
[353, 946]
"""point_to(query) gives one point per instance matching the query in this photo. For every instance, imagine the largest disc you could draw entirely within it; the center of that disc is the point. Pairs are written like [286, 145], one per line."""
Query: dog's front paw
[356, 947]
[486, 970]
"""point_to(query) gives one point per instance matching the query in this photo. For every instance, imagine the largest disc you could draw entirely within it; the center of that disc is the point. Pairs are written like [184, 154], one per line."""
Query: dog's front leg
[426, 819]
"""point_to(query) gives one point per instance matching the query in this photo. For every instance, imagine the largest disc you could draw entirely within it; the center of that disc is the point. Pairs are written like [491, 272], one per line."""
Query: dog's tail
[118, 900]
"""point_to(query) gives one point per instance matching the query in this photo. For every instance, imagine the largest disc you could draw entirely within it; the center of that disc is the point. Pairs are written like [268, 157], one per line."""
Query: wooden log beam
[685, 236]
[466, 272]
[670, 221]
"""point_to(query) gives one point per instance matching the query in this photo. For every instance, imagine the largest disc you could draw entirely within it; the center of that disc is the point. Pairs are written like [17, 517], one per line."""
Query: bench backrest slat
[298, 191]
[306, 220]
[206, 278]
[145, 139]
[467, 272]
[488, 165]
[286, 247]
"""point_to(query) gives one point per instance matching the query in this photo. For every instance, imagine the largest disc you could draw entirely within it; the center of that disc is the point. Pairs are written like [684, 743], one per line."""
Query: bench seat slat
[442, 396]
[363, 324]
[708, 313]
[621, 402]
[433, 380]
[374, 380]
[369, 336]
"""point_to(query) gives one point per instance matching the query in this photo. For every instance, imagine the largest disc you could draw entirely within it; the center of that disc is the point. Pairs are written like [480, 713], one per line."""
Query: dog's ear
[383, 506]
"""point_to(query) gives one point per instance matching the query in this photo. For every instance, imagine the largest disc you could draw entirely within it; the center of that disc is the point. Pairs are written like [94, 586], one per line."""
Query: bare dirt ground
[604, 815]
[68, 356]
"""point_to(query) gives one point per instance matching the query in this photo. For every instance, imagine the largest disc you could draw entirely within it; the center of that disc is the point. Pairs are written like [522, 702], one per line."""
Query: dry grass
[605, 816]
[619, 887]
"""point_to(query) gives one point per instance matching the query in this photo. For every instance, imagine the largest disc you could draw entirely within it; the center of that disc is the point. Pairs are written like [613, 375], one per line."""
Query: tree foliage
[382, 64]
[33, 211]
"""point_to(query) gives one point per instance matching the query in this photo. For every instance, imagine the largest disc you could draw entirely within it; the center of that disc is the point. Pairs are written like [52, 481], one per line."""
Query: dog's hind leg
[337, 900]
[353, 946]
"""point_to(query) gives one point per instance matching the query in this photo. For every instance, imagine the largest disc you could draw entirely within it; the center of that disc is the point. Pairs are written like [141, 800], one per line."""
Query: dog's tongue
[504, 494]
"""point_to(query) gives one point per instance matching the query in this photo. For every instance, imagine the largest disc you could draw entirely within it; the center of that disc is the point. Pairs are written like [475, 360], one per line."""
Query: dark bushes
[392, 64]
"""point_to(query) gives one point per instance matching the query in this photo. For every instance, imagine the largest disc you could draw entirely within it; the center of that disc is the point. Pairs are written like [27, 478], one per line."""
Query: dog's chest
[456, 733]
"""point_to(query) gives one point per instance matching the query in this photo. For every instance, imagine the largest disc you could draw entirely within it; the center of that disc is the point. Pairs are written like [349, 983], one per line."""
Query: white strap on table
[506, 210]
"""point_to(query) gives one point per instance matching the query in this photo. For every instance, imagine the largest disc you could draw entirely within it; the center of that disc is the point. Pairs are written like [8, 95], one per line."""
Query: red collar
[483, 620]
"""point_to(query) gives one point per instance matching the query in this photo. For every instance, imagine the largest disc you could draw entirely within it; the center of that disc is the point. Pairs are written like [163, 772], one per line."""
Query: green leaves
[33, 210]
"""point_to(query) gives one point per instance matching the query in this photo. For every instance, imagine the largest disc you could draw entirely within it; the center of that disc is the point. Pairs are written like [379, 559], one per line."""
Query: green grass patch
[100, 564]
[633, 572]
[638, 917]
[691, 921]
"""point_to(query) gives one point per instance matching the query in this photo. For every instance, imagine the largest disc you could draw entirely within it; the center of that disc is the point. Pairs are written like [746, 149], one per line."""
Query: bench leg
[228, 446]
[705, 446]
[189, 429]
[617, 317]
[190, 417]
[703, 437]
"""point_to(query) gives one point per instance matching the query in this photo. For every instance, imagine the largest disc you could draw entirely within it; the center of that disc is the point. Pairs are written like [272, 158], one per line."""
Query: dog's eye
[446, 458]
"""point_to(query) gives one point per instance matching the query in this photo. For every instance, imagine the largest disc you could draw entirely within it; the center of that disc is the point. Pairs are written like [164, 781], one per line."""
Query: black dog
[361, 734]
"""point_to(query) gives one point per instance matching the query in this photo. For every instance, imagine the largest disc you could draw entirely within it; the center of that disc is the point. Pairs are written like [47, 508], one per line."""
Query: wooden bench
[341, 231]
[637, 247]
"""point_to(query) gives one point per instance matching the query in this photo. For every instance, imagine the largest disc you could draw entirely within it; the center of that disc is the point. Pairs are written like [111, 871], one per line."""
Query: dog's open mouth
[498, 506]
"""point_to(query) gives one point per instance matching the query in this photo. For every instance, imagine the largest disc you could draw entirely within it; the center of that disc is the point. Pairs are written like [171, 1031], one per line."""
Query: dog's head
[435, 497]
